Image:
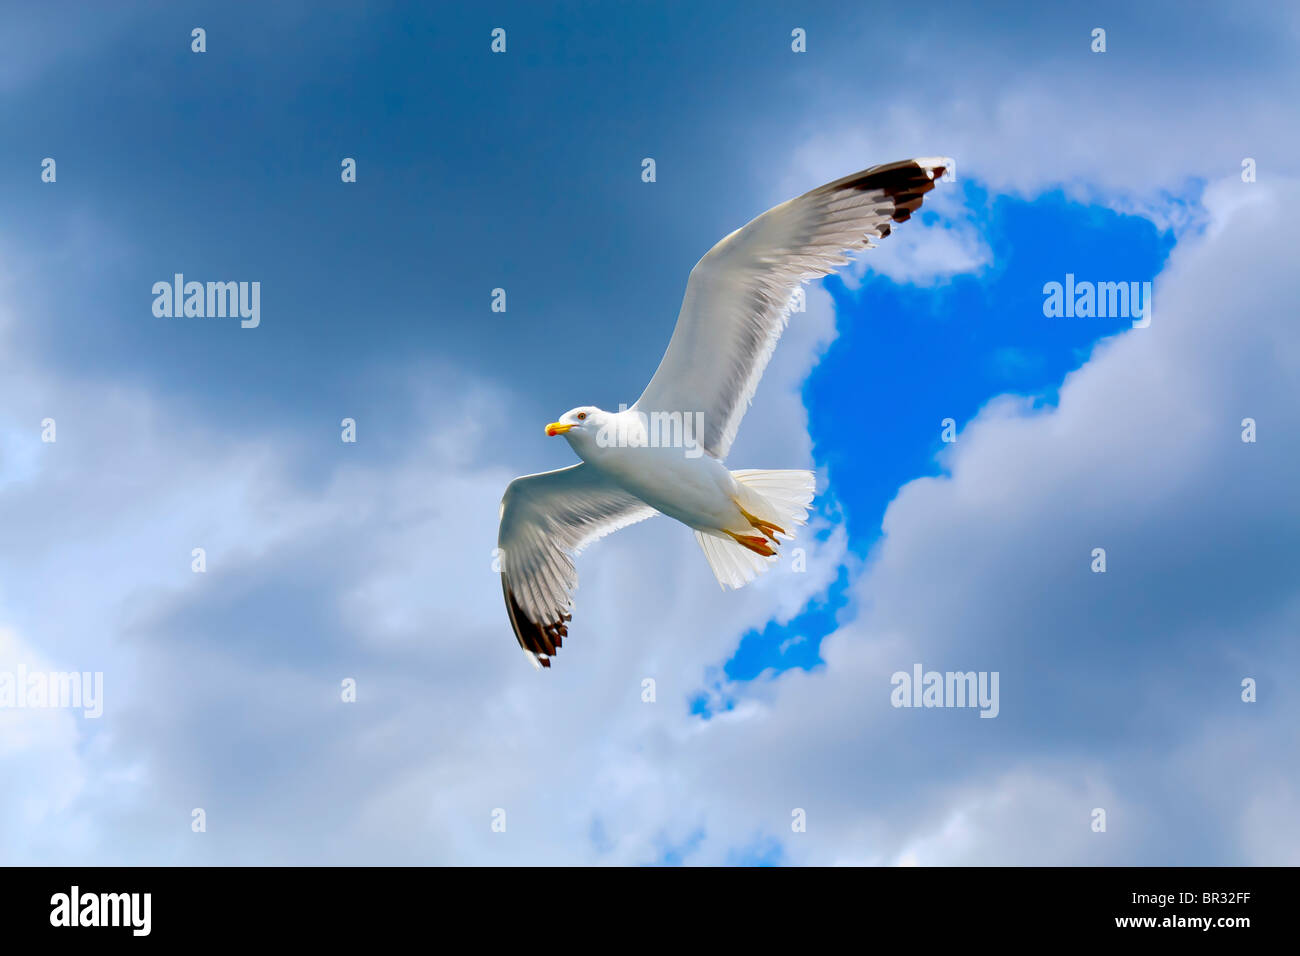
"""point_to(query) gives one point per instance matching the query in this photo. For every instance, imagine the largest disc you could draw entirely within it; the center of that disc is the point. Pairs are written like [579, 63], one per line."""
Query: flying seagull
[664, 454]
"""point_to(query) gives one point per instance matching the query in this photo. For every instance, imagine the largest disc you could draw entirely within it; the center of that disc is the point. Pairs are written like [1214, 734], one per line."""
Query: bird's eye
[582, 416]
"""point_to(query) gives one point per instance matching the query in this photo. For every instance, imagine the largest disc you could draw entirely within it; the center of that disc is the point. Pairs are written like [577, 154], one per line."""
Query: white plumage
[736, 306]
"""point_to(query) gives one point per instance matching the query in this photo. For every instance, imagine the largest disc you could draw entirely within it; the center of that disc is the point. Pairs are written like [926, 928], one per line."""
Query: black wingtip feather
[904, 182]
[540, 640]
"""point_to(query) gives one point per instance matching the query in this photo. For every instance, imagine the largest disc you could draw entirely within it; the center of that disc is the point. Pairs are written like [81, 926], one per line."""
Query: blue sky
[920, 355]
[373, 561]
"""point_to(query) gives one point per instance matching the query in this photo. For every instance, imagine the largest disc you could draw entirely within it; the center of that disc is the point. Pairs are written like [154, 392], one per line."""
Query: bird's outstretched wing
[738, 297]
[545, 520]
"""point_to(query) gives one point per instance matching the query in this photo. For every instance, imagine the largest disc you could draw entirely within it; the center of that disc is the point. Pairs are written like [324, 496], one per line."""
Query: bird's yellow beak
[555, 428]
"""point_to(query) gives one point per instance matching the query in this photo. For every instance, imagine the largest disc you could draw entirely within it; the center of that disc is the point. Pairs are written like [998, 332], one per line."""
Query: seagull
[664, 455]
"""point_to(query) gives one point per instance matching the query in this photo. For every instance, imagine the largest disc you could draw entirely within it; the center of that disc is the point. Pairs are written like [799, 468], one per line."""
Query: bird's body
[665, 454]
[698, 491]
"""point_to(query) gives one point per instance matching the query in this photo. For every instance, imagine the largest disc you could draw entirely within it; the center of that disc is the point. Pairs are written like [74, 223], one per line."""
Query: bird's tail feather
[775, 502]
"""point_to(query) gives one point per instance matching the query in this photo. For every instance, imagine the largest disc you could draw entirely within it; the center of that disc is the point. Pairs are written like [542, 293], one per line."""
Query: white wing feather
[738, 297]
[546, 519]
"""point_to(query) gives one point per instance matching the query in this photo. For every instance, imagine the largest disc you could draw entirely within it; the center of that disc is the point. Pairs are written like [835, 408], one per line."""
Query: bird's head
[578, 422]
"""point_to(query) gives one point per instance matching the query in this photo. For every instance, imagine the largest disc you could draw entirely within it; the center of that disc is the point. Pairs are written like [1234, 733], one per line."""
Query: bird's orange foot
[753, 542]
[764, 526]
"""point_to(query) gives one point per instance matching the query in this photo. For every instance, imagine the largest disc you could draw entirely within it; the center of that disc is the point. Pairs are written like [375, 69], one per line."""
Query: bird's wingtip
[934, 166]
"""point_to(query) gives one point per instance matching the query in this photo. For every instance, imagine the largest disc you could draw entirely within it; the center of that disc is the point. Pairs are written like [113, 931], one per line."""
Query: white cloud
[224, 686]
[1113, 128]
[41, 761]
[988, 569]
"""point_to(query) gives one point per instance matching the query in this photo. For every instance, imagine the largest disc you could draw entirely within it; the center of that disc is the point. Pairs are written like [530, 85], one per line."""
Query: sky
[972, 451]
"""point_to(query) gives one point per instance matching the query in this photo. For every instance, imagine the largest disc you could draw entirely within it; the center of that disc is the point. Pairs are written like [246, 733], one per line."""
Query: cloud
[327, 561]
[374, 562]
[40, 758]
[942, 242]
[1130, 674]
[224, 687]
[1028, 110]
